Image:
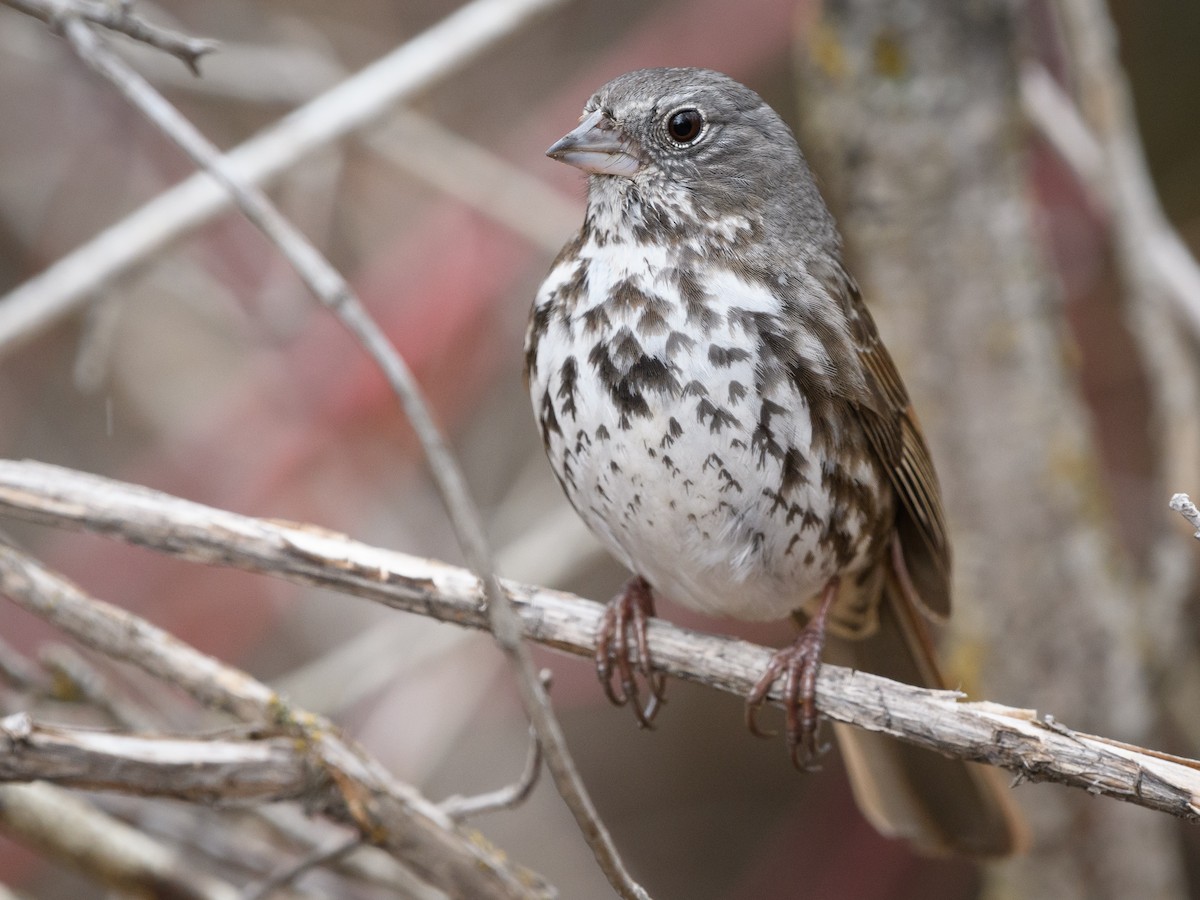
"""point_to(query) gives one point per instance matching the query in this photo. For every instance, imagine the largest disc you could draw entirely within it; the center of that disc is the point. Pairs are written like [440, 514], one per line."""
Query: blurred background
[209, 373]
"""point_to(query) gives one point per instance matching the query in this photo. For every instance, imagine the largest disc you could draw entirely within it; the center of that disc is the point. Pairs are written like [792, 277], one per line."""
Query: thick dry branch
[362, 793]
[219, 770]
[1037, 749]
[201, 771]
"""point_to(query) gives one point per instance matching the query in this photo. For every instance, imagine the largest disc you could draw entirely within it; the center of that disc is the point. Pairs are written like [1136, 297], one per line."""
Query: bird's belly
[701, 522]
[687, 496]
[684, 442]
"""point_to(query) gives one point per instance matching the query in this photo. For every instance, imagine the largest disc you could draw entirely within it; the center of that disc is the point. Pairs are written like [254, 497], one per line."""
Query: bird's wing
[895, 435]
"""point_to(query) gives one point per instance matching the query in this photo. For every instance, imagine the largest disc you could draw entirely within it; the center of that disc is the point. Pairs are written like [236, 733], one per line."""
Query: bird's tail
[941, 806]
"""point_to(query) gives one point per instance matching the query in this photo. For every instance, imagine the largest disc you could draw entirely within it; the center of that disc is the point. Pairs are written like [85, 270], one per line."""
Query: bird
[716, 403]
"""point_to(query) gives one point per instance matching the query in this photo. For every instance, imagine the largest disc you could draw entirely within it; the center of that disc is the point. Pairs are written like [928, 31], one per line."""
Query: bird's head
[695, 134]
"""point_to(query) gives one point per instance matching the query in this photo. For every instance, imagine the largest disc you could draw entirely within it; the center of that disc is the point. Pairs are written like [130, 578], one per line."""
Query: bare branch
[1114, 172]
[363, 794]
[72, 831]
[214, 771]
[1040, 750]
[332, 290]
[1152, 249]
[201, 771]
[122, 636]
[351, 105]
[120, 17]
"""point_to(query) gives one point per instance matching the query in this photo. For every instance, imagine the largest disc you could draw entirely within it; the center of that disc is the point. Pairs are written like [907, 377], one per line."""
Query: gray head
[700, 132]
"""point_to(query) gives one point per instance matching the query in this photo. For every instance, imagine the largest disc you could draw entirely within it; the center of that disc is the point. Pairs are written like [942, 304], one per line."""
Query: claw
[758, 696]
[631, 609]
[798, 664]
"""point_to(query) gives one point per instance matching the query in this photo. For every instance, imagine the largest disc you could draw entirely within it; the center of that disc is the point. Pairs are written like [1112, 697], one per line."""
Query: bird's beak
[598, 146]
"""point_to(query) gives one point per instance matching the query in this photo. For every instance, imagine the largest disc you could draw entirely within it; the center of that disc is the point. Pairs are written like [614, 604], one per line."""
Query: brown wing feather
[940, 805]
[895, 435]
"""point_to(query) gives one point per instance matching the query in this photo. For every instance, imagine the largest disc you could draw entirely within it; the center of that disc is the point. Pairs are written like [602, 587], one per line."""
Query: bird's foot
[628, 612]
[798, 665]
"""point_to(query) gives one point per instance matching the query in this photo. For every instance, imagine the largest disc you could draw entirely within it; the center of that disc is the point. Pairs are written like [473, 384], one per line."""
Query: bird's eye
[684, 125]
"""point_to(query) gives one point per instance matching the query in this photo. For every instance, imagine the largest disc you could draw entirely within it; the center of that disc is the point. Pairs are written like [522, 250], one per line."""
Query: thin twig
[120, 17]
[76, 680]
[509, 797]
[369, 864]
[1115, 175]
[358, 101]
[332, 290]
[1013, 738]
[290, 873]
[20, 672]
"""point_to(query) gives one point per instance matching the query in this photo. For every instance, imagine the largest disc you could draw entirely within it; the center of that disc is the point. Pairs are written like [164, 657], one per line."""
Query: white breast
[690, 464]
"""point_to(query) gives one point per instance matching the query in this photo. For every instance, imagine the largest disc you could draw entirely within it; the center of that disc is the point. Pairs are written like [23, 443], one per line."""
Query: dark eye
[684, 125]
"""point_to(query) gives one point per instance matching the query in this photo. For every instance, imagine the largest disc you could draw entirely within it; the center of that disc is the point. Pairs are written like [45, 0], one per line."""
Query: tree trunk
[910, 112]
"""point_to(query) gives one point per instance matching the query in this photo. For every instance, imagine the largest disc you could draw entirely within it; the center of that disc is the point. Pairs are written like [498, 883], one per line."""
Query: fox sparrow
[717, 405]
